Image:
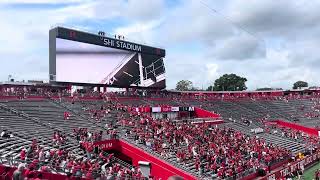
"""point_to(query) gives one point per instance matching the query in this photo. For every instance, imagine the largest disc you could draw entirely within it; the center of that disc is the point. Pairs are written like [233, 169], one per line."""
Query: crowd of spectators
[97, 113]
[25, 91]
[222, 151]
[59, 138]
[46, 90]
[108, 168]
[98, 164]
[84, 135]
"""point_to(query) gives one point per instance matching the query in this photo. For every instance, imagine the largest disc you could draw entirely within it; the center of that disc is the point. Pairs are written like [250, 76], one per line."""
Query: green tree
[300, 84]
[184, 85]
[314, 87]
[230, 82]
[210, 88]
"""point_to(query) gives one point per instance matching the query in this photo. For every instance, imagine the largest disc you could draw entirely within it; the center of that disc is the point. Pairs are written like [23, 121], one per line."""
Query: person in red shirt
[39, 176]
[52, 153]
[60, 152]
[102, 157]
[45, 169]
[66, 115]
[89, 174]
[29, 172]
[23, 154]
[34, 144]
[34, 163]
[77, 169]
[70, 164]
[317, 174]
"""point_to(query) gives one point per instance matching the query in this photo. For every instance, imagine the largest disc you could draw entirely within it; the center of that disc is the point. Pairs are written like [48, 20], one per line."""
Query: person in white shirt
[89, 135]
[47, 154]
[194, 151]
[2, 133]
[41, 156]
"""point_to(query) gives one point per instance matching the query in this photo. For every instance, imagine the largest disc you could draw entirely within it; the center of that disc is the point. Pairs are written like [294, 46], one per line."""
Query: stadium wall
[201, 113]
[159, 168]
[308, 130]
[282, 172]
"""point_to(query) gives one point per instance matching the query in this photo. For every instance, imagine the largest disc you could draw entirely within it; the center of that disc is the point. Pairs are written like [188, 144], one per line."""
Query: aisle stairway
[294, 146]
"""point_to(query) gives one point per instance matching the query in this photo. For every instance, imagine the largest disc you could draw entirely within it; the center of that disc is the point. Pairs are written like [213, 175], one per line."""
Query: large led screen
[80, 62]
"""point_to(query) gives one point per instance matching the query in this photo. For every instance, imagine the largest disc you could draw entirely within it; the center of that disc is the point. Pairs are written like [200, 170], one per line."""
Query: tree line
[230, 82]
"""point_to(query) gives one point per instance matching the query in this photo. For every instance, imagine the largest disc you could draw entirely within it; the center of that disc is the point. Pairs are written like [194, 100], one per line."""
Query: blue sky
[201, 45]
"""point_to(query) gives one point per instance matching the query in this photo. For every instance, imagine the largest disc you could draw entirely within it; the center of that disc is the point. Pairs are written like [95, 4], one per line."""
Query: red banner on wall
[201, 113]
[166, 109]
[293, 167]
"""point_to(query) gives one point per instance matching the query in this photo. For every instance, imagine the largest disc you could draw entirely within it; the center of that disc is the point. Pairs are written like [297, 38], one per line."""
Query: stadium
[106, 113]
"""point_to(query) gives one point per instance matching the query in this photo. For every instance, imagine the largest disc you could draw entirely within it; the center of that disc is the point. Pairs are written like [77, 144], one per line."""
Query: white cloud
[212, 72]
[241, 47]
[198, 42]
[141, 32]
[40, 1]
[137, 28]
[144, 9]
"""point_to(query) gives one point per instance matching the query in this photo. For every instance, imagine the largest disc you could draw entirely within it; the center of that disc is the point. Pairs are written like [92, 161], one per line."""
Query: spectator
[5, 134]
[18, 173]
[317, 174]
[39, 176]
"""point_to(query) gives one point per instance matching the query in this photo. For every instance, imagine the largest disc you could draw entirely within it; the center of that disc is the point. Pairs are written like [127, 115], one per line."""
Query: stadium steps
[148, 102]
[276, 109]
[77, 109]
[308, 108]
[187, 166]
[42, 120]
[294, 146]
[30, 130]
[80, 109]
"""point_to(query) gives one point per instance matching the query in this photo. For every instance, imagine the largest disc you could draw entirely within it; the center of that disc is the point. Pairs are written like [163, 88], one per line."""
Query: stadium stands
[37, 121]
[56, 122]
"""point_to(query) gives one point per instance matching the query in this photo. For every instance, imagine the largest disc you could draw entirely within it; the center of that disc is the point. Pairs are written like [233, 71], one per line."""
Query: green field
[309, 173]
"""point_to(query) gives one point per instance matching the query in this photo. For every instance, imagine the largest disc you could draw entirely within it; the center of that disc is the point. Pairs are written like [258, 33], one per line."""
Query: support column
[140, 69]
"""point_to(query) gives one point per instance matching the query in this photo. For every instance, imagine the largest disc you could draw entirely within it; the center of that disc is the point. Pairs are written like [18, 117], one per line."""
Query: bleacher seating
[27, 119]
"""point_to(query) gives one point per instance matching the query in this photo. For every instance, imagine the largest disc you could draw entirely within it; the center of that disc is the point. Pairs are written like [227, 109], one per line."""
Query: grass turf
[309, 173]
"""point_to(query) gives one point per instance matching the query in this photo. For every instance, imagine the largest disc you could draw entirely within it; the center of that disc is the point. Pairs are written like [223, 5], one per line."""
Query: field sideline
[309, 173]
